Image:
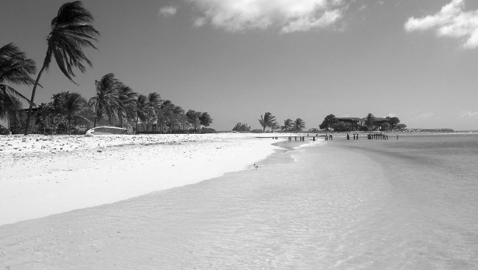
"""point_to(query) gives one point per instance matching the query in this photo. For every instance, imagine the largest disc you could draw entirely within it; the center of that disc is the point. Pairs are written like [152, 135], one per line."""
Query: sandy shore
[45, 175]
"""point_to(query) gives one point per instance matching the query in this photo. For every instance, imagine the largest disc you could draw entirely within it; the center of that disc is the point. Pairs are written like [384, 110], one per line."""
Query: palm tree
[106, 102]
[71, 31]
[299, 125]
[178, 118]
[268, 120]
[154, 105]
[15, 68]
[370, 121]
[170, 115]
[288, 125]
[71, 106]
[164, 114]
[127, 103]
[141, 110]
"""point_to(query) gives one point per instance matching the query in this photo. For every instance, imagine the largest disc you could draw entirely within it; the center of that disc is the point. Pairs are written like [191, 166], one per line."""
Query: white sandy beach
[45, 175]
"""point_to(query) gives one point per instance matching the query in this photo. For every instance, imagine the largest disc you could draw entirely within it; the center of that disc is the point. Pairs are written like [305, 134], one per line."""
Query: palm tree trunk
[27, 124]
[96, 114]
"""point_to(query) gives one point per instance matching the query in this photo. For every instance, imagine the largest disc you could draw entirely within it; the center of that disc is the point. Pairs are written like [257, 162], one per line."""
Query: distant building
[380, 120]
[355, 122]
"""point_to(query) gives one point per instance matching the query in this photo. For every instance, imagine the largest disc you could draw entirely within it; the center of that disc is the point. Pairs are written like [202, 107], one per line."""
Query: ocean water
[427, 216]
[410, 203]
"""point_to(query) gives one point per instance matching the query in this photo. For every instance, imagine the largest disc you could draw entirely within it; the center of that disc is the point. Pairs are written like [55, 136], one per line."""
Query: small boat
[105, 130]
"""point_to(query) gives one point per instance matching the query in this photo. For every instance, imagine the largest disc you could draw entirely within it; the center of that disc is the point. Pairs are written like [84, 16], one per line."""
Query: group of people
[355, 135]
[377, 136]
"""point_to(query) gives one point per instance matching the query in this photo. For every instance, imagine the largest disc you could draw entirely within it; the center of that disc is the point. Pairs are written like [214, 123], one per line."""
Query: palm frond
[71, 32]
[15, 67]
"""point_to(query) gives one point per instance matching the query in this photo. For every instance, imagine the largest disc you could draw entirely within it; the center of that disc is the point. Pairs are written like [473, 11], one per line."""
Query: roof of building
[356, 119]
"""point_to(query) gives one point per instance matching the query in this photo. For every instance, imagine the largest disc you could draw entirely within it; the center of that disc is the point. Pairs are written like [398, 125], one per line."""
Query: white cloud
[450, 21]
[469, 114]
[288, 15]
[168, 11]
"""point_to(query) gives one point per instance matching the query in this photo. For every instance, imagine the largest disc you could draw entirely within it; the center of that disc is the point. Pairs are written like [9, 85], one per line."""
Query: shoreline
[46, 175]
[241, 218]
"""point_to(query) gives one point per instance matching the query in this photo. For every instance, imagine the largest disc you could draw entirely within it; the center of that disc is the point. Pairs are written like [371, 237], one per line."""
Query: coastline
[45, 175]
[271, 218]
[324, 205]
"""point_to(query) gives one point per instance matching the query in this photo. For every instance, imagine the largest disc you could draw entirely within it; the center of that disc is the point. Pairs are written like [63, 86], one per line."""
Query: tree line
[330, 122]
[368, 123]
[269, 121]
[114, 102]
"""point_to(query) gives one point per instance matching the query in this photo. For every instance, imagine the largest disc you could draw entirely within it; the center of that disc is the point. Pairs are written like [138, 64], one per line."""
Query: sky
[237, 59]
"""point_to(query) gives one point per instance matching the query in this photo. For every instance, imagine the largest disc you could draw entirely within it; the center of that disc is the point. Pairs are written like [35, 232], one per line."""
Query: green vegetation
[329, 120]
[198, 119]
[288, 125]
[120, 106]
[299, 125]
[15, 69]
[267, 120]
[368, 123]
[240, 127]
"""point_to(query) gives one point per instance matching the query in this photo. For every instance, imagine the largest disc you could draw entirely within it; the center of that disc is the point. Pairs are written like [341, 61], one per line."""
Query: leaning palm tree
[268, 120]
[299, 125]
[154, 105]
[127, 103]
[288, 125]
[71, 31]
[10, 106]
[165, 114]
[142, 110]
[179, 118]
[106, 102]
[15, 68]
